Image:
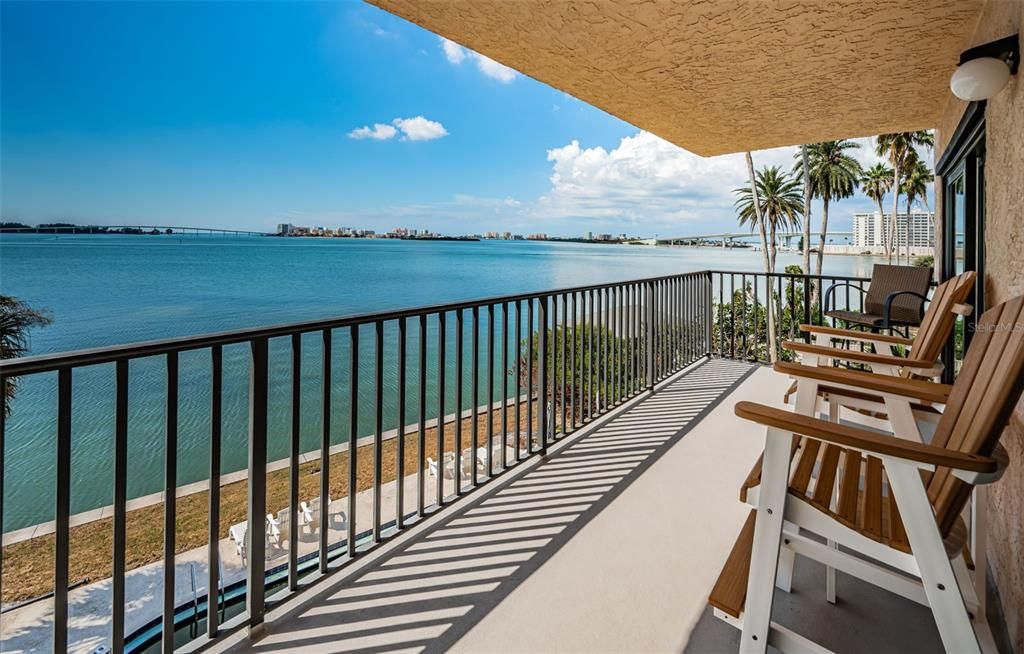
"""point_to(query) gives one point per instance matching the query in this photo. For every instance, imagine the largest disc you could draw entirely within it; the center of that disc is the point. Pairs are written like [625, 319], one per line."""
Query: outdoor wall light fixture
[985, 69]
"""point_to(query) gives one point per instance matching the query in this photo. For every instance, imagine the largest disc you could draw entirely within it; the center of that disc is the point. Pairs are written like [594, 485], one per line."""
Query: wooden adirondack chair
[922, 360]
[911, 523]
[860, 391]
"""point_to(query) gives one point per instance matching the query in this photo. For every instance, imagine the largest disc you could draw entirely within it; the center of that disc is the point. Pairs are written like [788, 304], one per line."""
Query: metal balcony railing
[556, 360]
[524, 370]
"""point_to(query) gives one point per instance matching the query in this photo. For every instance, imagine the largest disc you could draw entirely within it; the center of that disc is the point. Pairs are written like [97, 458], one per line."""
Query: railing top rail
[842, 278]
[108, 354]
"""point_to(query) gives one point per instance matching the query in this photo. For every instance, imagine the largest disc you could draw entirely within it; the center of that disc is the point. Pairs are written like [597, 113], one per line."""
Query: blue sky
[246, 115]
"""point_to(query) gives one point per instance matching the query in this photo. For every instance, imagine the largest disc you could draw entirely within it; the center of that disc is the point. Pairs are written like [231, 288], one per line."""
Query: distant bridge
[728, 237]
[129, 229]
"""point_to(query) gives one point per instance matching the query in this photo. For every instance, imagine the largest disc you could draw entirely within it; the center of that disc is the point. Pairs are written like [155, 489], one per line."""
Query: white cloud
[379, 132]
[494, 70]
[412, 129]
[647, 182]
[456, 54]
[420, 128]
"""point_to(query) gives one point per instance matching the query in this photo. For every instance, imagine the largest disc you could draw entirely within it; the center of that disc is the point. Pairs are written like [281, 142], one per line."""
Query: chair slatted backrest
[984, 396]
[940, 318]
[886, 279]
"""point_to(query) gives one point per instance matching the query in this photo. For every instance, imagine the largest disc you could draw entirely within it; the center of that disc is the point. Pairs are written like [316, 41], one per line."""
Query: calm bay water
[107, 290]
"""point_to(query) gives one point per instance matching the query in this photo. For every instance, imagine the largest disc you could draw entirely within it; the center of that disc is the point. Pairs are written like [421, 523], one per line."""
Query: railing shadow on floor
[429, 591]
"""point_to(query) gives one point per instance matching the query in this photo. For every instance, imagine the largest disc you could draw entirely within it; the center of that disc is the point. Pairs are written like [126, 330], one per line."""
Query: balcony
[592, 509]
[610, 544]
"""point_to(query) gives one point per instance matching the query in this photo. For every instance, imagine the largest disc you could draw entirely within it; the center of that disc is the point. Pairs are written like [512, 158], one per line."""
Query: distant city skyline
[312, 113]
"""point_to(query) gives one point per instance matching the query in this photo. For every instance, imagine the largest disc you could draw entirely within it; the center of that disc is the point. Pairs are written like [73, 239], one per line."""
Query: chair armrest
[830, 292]
[887, 308]
[863, 440]
[916, 389]
[856, 335]
[857, 356]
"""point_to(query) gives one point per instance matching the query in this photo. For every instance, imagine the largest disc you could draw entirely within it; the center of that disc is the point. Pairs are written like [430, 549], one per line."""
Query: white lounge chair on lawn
[336, 517]
[483, 460]
[273, 531]
[237, 535]
[449, 466]
[907, 535]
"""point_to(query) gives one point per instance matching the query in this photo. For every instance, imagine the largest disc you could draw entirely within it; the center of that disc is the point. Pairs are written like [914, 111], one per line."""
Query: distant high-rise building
[284, 229]
[871, 229]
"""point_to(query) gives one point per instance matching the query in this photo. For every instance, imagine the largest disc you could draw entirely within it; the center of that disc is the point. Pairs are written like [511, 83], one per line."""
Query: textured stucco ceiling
[720, 76]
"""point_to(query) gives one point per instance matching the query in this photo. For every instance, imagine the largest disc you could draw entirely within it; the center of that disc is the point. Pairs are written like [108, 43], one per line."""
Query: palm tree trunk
[906, 229]
[885, 235]
[821, 257]
[807, 210]
[893, 244]
[808, 192]
[764, 250]
[824, 233]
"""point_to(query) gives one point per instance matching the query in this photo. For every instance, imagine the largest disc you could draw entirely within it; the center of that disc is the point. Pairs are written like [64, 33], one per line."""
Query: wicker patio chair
[895, 297]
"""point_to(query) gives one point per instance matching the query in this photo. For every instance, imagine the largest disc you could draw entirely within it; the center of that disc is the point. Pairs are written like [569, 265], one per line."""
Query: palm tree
[774, 202]
[915, 187]
[16, 319]
[834, 175]
[876, 182]
[898, 147]
[805, 240]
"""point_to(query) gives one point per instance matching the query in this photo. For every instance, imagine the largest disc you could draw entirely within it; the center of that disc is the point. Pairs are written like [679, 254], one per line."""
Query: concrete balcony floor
[611, 544]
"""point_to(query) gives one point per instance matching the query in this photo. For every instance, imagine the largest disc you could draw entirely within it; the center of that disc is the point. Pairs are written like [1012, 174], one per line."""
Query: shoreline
[133, 504]
[28, 564]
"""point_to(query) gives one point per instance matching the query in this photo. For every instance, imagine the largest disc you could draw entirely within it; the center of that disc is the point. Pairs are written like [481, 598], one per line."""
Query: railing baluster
[519, 376]
[490, 390]
[421, 440]
[649, 328]
[257, 500]
[62, 512]
[631, 339]
[325, 446]
[459, 329]
[170, 496]
[635, 340]
[602, 364]
[440, 408]
[555, 378]
[214, 581]
[574, 388]
[504, 385]
[551, 306]
[378, 428]
[293, 464]
[613, 345]
[474, 395]
[117, 596]
[757, 320]
[565, 352]
[807, 301]
[591, 362]
[400, 454]
[529, 376]
[353, 455]
[542, 395]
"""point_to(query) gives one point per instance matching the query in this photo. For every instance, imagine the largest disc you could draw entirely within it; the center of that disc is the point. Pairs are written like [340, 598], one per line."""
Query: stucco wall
[1004, 251]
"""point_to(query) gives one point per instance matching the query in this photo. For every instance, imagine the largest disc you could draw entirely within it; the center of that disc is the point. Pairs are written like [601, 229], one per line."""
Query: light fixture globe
[979, 79]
